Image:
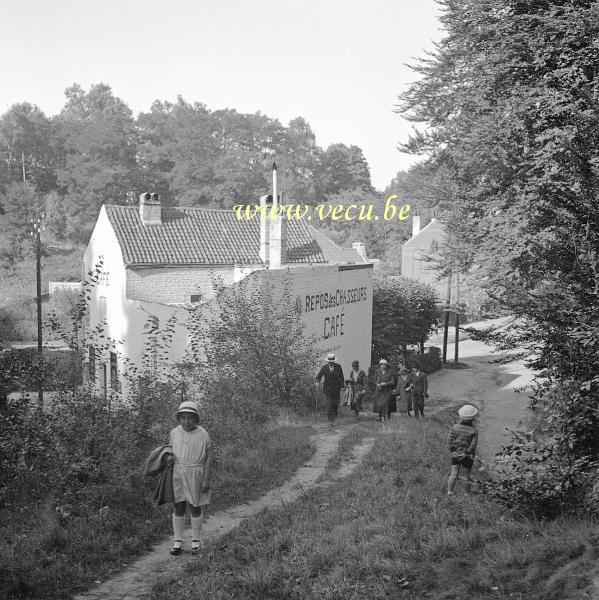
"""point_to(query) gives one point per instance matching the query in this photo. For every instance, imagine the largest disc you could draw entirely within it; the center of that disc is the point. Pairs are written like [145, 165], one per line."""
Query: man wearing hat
[357, 386]
[333, 382]
[419, 391]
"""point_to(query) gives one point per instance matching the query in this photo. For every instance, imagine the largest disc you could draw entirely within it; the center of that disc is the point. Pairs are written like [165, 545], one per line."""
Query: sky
[339, 64]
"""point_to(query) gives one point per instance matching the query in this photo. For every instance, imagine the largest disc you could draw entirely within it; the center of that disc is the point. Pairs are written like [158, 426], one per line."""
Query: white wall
[174, 284]
[335, 303]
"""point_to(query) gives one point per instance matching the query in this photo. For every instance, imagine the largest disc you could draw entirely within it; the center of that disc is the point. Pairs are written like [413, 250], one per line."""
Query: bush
[534, 478]
[404, 312]
[429, 362]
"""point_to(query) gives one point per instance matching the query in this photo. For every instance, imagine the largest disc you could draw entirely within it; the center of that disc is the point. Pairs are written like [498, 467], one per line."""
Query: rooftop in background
[196, 236]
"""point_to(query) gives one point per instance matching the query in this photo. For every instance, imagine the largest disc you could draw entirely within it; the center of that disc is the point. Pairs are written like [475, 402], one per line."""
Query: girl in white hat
[462, 441]
[192, 472]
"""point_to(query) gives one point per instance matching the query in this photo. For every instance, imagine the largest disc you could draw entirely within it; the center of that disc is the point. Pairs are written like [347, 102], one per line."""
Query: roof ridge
[207, 209]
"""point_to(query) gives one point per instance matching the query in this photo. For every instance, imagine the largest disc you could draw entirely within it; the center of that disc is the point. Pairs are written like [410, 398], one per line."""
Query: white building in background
[416, 252]
[158, 262]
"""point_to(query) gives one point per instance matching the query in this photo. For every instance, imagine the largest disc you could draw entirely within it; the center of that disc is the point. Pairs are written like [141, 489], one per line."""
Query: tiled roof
[335, 253]
[205, 236]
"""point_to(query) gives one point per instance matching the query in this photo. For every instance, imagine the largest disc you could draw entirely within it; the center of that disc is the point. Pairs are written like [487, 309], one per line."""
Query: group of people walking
[185, 464]
[404, 393]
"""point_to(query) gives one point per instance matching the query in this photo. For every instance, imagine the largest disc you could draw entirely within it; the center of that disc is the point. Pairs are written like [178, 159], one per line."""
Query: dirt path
[491, 386]
[137, 580]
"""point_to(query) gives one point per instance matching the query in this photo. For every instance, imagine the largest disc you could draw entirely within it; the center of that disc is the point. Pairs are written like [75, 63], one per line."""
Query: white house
[158, 262]
[417, 251]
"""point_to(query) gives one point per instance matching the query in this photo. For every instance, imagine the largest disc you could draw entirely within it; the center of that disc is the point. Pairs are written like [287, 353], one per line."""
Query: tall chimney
[275, 198]
[415, 225]
[360, 248]
[278, 240]
[265, 213]
[150, 209]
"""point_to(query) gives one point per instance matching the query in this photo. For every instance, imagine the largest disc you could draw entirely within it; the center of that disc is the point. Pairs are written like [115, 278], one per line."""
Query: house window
[92, 364]
[435, 246]
[114, 375]
[196, 298]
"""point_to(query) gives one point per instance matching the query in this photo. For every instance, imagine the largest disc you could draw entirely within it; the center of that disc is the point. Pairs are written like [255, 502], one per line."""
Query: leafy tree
[21, 203]
[343, 168]
[255, 350]
[404, 312]
[509, 102]
[27, 147]
[99, 143]
[177, 150]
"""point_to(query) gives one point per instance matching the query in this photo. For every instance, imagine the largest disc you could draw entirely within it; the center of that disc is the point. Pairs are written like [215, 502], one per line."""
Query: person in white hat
[332, 384]
[192, 473]
[462, 441]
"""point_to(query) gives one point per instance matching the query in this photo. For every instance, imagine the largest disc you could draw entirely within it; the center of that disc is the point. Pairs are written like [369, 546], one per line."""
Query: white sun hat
[383, 362]
[330, 357]
[189, 406]
[467, 412]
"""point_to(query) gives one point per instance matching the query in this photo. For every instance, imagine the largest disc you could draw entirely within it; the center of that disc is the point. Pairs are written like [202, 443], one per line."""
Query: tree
[254, 352]
[343, 168]
[26, 147]
[509, 101]
[404, 312]
[99, 143]
[177, 150]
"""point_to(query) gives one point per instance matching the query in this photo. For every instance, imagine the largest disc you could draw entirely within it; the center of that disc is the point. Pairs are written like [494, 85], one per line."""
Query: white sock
[196, 527]
[179, 528]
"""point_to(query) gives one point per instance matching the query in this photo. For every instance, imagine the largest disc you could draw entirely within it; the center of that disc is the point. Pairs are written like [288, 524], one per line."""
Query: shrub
[404, 312]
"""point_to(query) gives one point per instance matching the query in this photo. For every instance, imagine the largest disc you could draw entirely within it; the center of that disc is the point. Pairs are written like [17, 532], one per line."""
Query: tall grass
[54, 547]
[389, 531]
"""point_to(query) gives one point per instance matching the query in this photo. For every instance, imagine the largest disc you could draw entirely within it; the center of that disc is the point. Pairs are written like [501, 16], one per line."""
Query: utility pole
[36, 226]
[446, 324]
[457, 317]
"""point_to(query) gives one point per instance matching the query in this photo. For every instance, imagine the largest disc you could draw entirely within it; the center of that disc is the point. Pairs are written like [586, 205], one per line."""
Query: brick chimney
[150, 209]
[278, 228]
[278, 241]
[265, 208]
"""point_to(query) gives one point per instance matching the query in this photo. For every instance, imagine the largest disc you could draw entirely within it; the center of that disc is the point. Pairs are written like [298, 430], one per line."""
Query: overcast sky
[339, 64]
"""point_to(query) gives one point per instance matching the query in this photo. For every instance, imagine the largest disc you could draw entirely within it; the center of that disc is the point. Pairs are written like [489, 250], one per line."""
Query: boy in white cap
[333, 382]
[462, 441]
[192, 472]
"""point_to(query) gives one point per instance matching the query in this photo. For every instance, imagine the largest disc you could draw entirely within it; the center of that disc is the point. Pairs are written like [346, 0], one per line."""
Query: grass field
[389, 531]
[49, 551]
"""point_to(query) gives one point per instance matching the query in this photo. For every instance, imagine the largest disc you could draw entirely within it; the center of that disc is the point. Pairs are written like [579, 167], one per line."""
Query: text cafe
[333, 324]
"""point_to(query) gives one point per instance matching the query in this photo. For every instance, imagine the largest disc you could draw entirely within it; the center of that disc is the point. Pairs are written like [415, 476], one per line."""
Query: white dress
[191, 451]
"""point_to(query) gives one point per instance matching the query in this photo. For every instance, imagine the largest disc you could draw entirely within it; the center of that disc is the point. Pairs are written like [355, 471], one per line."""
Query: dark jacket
[156, 465]
[462, 439]
[333, 380]
[420, 383]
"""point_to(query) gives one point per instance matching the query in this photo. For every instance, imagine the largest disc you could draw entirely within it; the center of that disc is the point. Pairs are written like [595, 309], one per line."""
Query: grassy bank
[49, 551]
[389, 531]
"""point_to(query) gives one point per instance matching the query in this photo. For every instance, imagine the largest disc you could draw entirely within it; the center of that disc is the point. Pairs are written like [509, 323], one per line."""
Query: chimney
[415, 225]
[278, 240]
[360, 248]
[150, 209]
[265, 210]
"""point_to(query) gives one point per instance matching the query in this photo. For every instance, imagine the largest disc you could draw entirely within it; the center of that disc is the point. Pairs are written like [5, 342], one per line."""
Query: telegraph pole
[446, 324]
[36, 226]
[457, 317]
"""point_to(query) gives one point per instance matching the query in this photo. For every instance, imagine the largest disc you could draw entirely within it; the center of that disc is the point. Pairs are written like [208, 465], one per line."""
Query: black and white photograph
[299, 300]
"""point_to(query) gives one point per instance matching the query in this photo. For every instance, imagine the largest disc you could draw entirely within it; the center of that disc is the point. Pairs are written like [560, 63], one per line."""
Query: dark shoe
[176, 550]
